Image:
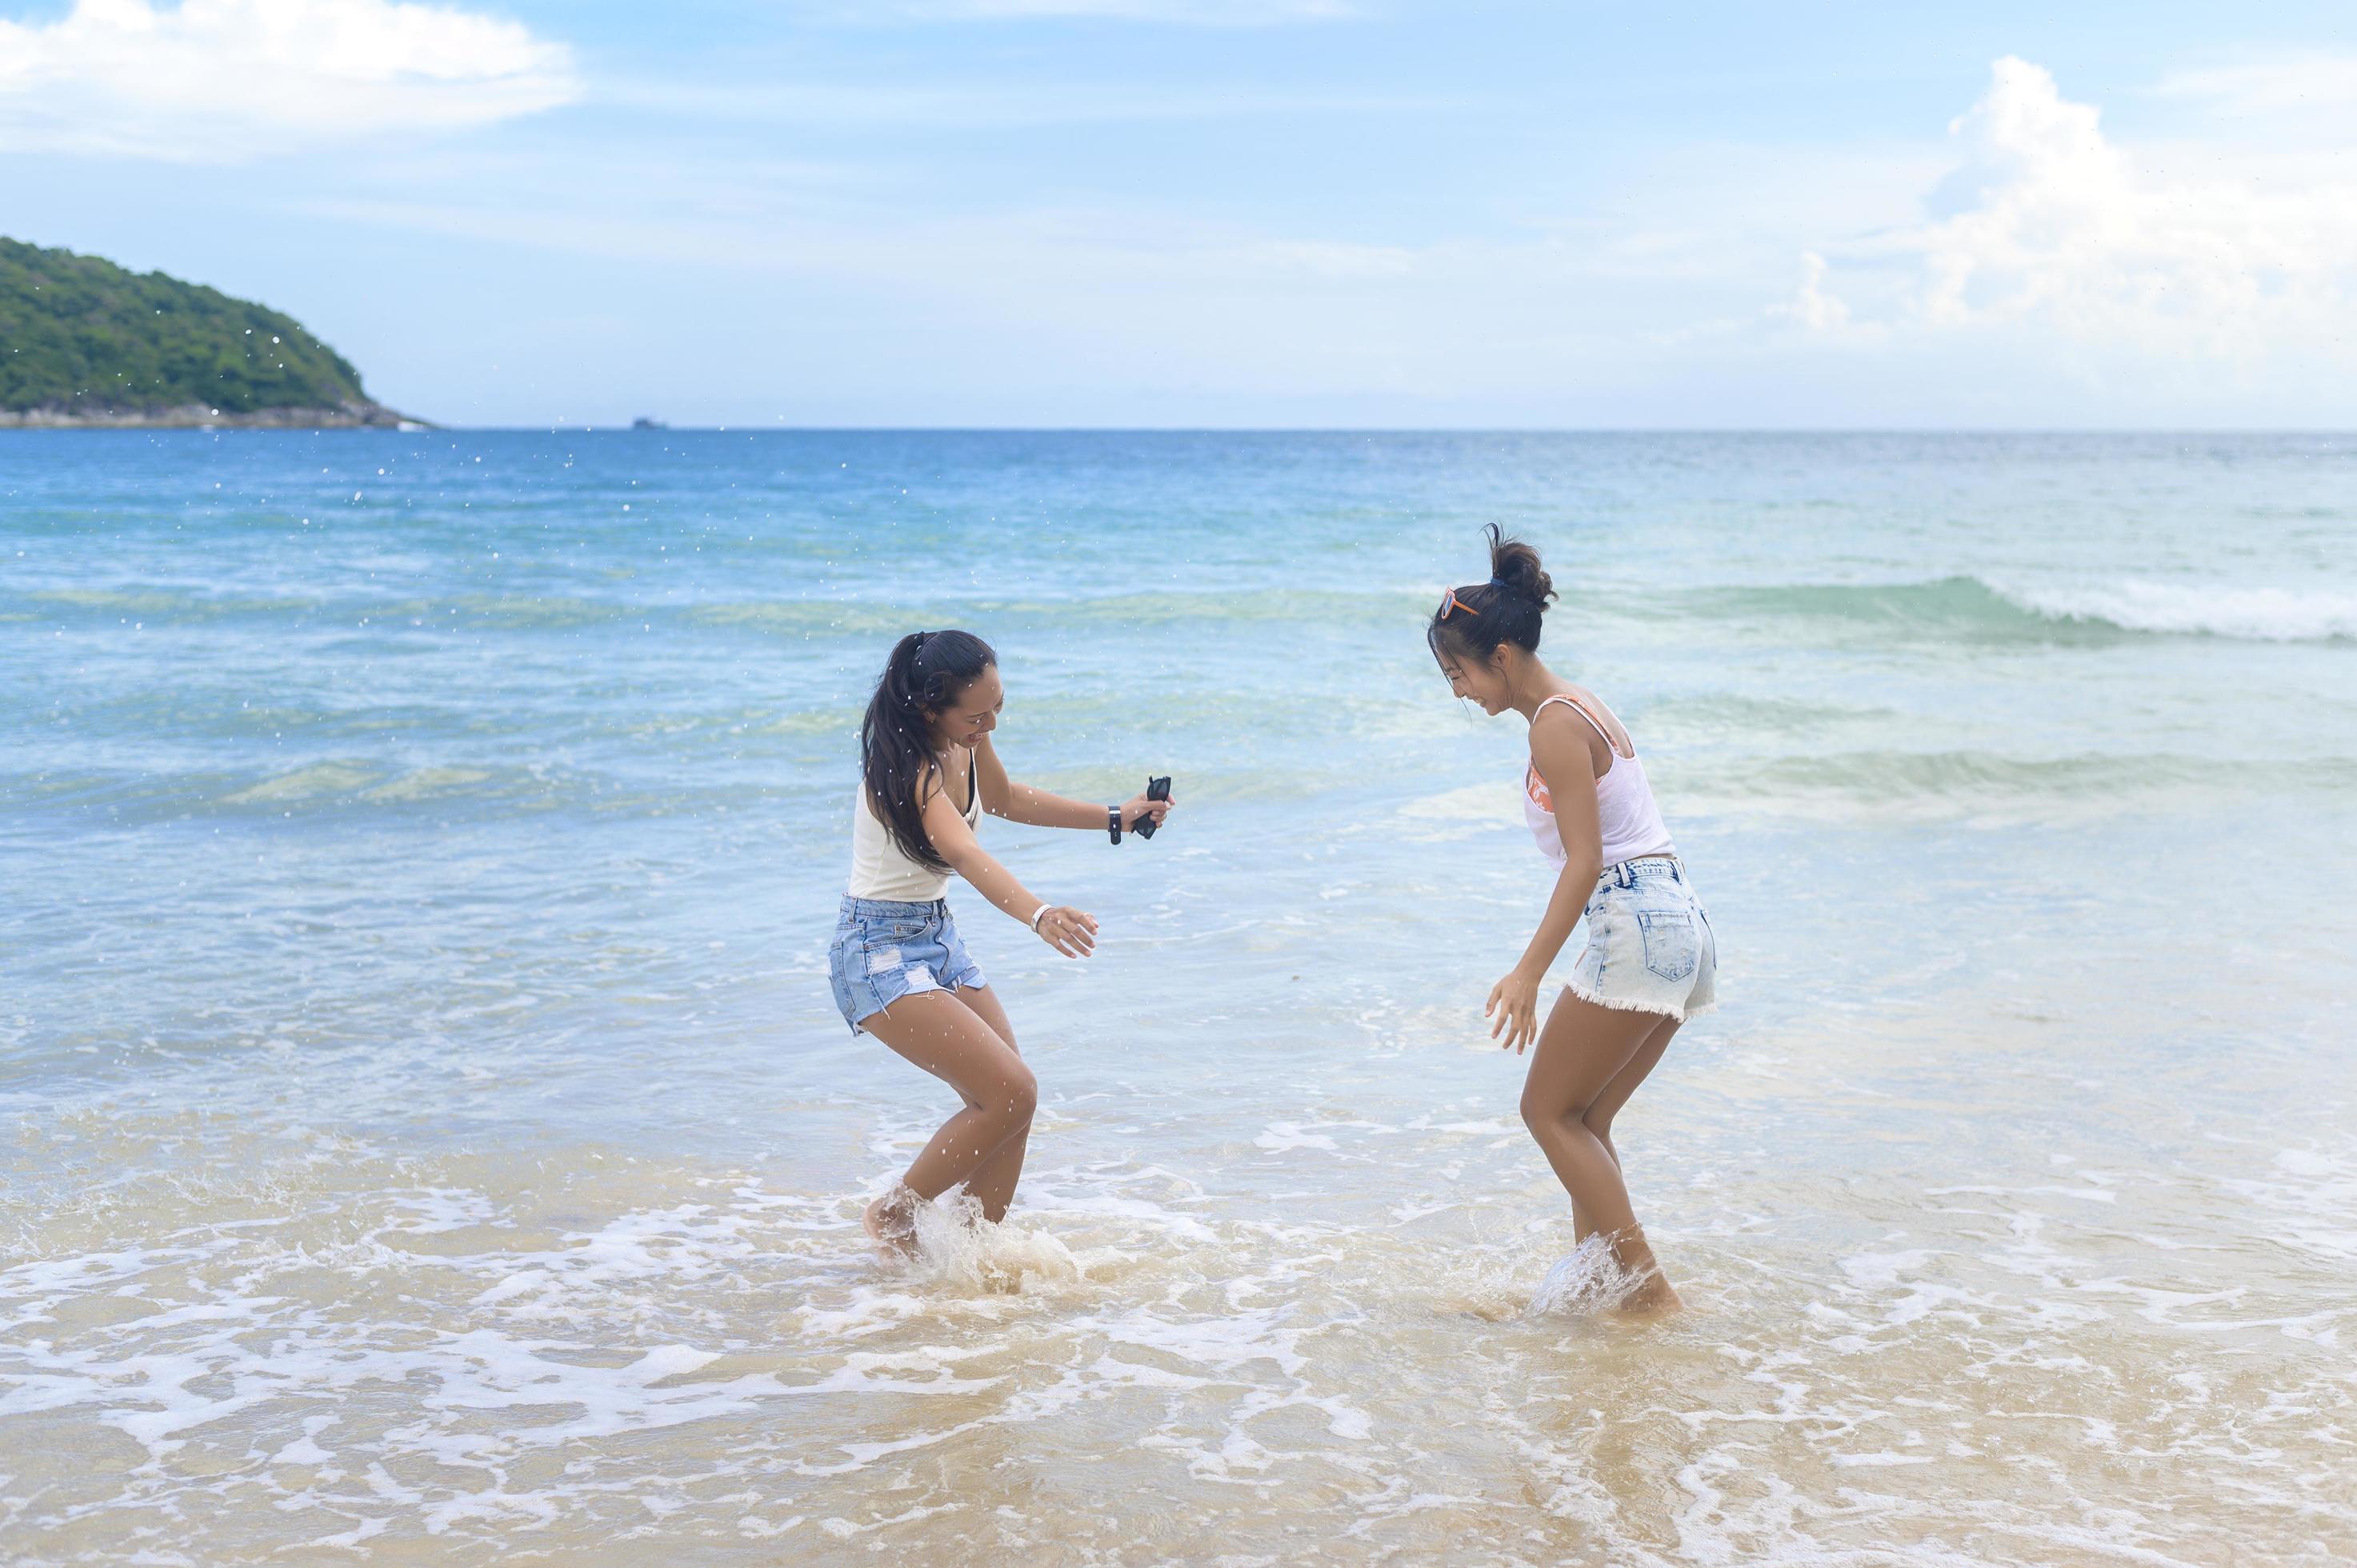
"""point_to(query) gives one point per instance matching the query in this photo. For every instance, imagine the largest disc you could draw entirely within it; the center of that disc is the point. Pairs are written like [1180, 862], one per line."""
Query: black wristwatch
[1112, 823]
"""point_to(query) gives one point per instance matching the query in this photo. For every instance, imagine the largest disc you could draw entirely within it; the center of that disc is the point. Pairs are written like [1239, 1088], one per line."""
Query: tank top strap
[973, 786]
[1581, 709]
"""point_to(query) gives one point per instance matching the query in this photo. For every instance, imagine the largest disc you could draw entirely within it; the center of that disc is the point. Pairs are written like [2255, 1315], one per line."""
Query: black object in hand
[1156, 790]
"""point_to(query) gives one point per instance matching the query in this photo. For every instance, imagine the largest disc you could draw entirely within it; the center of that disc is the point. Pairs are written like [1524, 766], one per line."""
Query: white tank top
[1625, 813]
[882, 870]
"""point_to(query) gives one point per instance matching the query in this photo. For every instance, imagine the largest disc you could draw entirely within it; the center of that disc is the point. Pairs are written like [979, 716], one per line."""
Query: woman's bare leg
[1581, 1051]
[992, 1183]
[1598, 1115]
[950, 1040]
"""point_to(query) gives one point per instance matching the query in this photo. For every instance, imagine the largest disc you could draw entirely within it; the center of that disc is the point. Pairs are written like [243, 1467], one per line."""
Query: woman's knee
[1540, 1114]
[1022, 1096]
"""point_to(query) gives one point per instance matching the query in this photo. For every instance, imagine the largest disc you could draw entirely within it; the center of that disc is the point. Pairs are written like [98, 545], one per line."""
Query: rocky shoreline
[197, 416]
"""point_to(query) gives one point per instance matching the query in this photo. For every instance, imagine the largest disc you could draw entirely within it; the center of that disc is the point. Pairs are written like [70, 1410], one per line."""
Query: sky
[1254, 213]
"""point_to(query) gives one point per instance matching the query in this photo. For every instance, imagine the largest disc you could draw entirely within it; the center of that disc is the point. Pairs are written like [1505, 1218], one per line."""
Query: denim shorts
[1650, 947]
[883, 952]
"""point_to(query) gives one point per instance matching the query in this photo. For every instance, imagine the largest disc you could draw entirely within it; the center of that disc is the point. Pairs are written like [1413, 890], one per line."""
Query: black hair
[927, 673]
[1507, 609]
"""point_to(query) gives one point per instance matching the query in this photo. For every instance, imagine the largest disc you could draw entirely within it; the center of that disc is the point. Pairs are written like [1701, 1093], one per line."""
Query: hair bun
[1514, 567]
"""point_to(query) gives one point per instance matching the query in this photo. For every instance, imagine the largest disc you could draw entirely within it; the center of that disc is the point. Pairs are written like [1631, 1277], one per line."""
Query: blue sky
[1218, 212]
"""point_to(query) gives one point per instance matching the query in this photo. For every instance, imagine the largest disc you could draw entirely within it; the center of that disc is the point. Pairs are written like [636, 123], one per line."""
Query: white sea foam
[2255, 614]
[1281, 1351]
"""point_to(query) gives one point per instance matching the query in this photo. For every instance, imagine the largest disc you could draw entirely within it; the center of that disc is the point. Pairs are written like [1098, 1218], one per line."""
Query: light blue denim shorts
[1650, 947]
[883, 952]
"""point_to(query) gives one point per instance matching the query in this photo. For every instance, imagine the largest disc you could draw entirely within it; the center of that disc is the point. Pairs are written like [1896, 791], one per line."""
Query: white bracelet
[1039, 914]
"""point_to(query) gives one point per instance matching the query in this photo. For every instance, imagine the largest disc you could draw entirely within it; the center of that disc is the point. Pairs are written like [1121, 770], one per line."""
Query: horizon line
[428, 427]
[667, 429]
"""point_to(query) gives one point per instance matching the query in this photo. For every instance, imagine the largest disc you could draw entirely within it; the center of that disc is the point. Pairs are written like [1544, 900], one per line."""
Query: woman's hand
[1139, 808]
[1514, 1005]
[1072, 932]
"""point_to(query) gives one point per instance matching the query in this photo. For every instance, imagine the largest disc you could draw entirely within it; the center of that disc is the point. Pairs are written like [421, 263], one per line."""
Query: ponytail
[927, 673]
[1508, 608]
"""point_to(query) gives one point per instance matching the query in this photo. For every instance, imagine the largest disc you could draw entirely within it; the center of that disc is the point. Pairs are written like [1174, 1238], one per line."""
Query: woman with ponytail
[1651, 960]
[899, 970]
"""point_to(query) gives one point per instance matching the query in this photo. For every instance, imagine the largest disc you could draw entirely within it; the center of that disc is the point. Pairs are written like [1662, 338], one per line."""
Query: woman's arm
[1567, 764]
[1002, 797]
[1069, 930]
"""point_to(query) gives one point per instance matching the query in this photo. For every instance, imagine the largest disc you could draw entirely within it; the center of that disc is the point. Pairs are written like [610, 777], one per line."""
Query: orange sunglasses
[1449, 601]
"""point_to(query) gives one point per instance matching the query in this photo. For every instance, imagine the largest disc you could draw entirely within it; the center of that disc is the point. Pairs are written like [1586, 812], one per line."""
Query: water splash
[958, 1250]
[1587, 1279]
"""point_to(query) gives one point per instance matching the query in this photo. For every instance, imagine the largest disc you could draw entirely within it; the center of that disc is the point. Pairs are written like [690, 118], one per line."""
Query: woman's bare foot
[891, 1224]
[1649, 1294]
[1652, 1297]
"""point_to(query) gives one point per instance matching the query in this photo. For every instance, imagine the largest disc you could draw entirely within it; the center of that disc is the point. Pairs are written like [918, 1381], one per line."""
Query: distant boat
[644, 421]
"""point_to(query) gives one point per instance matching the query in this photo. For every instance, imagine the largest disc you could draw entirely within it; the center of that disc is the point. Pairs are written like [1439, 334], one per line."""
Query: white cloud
[2048, 232]
[814, 101]
[220, 79]
[1814, 307]
[1198, 13]
[2268, 86]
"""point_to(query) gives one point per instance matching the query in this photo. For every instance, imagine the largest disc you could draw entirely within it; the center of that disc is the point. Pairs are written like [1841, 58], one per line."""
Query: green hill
[84, 342]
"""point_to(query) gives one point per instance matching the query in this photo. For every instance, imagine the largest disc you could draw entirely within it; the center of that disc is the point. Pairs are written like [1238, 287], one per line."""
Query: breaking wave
[1970, 607]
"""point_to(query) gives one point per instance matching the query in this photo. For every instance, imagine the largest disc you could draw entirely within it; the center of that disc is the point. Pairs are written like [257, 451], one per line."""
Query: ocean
[430, 1132]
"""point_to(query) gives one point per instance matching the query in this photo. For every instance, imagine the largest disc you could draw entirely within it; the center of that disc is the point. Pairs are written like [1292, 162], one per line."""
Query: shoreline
[197, 416]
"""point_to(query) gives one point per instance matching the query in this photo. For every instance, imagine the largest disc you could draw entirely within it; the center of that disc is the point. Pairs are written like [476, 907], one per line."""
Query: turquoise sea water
[431, 1127]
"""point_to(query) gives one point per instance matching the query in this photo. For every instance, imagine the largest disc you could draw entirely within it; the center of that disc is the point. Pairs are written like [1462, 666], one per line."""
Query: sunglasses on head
[1450, 602]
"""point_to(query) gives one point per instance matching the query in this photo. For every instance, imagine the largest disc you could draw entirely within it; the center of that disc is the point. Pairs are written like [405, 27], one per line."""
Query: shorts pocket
[958, 968]
[846, 956]
[1671, 950]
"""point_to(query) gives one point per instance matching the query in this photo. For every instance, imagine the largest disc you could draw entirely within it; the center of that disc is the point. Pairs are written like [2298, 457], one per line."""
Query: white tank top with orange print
[1625, 813]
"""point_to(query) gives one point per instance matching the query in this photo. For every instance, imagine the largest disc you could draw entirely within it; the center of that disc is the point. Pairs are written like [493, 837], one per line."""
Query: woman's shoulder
[942, 771]
[1600, 711]
[1578, 717]
[1576, 707]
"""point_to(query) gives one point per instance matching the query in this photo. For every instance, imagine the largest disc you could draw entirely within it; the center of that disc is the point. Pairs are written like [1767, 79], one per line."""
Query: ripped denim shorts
[883, 952]
[1650, 947]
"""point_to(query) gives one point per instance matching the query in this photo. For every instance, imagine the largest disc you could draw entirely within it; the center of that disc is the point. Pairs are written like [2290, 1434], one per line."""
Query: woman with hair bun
[899, 970]
[1651, 961]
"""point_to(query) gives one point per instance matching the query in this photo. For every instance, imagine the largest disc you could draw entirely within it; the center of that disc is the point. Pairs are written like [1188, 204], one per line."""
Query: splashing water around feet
[958, 1250]
[1587, 1279]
